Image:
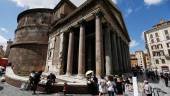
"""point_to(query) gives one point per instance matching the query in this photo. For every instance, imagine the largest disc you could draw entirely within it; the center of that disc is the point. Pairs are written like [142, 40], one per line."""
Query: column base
[80, 76]
[68, 74]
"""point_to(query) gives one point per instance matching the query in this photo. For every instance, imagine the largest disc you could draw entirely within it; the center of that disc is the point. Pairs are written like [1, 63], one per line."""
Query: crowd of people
[35, 78]
[111, 85]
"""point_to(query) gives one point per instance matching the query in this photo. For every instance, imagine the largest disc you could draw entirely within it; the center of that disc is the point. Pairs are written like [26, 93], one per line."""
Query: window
[152, 41]
[156, 34]
[152, 47]
[166, 32]
[157, 61]
[163, 61]
[154, 53]
[151, 36]
[160, 46]
[158, 40]
[169, 52]
[167, 44]
[167, 38]
[162, 53]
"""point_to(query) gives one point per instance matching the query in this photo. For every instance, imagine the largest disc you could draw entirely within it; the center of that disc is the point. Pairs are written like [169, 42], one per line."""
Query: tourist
[119, 87]
[111, 86]
[166, 79]
[94, 86]
[36, 81]
[31, 79]
[102, 86]
[65, 88]
[50, 81]
[89, 85]
[147, 88]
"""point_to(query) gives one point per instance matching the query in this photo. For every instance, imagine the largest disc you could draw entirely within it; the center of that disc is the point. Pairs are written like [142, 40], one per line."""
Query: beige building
[140, 59]
[147, 61]
[133, 60]
[158, 45]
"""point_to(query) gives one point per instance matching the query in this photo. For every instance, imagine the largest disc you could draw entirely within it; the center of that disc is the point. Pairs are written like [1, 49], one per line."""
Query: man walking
[147, 88]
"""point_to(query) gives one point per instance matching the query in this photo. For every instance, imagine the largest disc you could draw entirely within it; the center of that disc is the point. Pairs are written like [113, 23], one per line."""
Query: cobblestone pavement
[8, 90]
[156, 86]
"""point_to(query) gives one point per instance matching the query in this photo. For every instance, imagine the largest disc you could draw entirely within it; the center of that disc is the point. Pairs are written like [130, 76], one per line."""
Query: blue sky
[139, 16]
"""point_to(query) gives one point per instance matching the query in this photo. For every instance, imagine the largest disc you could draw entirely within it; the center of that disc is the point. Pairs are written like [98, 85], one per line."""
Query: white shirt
[102, 86]
[110, 86]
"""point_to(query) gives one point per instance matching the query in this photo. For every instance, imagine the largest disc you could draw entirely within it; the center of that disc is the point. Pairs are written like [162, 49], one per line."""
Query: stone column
[119, 54]
[115, 52]
[123, 56]
[99, 45]
[108, 51]
[81, 56]
[89, 57]
[70, 53]
[128, 58]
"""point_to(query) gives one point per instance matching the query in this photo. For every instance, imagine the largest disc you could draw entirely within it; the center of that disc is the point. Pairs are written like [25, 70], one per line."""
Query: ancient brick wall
[31, 41]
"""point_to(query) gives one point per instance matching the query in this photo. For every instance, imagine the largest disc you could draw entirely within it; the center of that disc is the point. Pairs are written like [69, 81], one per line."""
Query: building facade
[158, 45]
[147, 61]
[133, 60]
[140, 59]
[92, 36]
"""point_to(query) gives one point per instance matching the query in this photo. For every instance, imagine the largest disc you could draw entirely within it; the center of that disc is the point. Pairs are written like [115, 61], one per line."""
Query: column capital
[82, 22]
[71, 29]
[99, 13]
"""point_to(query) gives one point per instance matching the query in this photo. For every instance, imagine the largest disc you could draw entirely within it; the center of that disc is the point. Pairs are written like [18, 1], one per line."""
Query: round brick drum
[29, 50]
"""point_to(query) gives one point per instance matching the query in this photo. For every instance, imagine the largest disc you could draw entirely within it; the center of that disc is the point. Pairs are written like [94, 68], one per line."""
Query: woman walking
[111, 86]
[102, 86]
[119, 87]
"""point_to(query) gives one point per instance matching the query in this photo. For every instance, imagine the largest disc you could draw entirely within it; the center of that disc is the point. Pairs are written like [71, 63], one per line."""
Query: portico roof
[119, 18]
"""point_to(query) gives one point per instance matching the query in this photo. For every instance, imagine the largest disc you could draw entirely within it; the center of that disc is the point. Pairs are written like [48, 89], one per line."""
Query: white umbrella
[89, 72]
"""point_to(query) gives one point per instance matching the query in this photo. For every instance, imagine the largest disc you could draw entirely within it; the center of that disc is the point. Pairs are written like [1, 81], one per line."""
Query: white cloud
[36, 3]
[133, 43]
[115, 1]
[3, 30]
[153, 2]
[128, 12]
[45, 3]
[3, 42]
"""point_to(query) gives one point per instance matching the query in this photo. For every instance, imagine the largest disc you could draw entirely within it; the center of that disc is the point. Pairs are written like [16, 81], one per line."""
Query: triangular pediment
[63, 2]
[63, 8]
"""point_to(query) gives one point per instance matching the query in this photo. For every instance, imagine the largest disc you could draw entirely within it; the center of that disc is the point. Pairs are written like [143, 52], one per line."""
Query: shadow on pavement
[1, 88]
